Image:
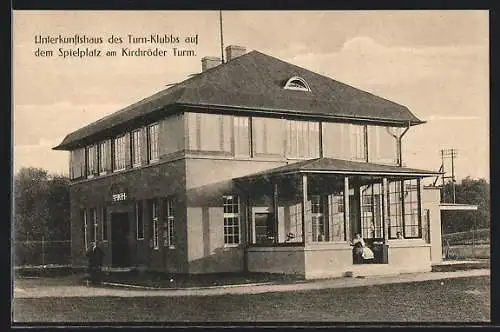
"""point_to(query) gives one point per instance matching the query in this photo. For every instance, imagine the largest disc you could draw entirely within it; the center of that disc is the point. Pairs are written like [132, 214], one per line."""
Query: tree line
[41, 205]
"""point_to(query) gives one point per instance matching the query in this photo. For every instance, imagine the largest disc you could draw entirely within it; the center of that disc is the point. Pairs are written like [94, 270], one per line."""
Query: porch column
[385, 209]
[419, 201]
[304, 202]
[347, 228]
[275, 211]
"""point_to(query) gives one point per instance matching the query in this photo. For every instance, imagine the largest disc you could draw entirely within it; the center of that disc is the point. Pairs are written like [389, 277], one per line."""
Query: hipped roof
[253, 83]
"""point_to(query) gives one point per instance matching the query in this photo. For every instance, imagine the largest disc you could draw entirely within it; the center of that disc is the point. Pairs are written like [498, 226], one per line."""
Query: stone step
[368, 270]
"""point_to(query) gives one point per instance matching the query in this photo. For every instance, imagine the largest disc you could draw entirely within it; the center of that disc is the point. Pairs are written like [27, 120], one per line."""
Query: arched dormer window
[297, 83]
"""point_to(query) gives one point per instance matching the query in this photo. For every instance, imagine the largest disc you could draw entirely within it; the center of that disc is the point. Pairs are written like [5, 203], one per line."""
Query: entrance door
[120, 256]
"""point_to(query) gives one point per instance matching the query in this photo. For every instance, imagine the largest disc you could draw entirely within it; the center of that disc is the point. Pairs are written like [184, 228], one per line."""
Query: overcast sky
[434, 62]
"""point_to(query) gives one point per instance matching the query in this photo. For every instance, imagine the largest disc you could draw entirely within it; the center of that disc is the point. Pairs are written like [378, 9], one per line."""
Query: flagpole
[221, 36]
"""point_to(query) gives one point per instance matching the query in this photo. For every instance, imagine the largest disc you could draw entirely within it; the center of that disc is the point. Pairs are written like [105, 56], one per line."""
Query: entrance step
[369, 270]
[117, 269]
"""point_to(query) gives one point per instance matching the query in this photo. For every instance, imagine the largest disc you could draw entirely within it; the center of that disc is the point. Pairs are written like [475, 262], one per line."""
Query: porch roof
[340, 167]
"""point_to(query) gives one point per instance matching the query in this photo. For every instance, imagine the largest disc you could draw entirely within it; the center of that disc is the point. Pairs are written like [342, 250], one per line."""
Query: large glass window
[153, 152]
[395, 210]
[104, 157]
[268, 136]
[302, 139]
[357, 140]
[241, 136]
[371, 211]
[336, 217]
[154, 223]
[92, 160]
[412, 222]
[382, 144]
[210, 132]
[77, 163]
[119, 153]
[136, 147]
[169, 224]
[231, 206]
[94, 224]
[319, 227]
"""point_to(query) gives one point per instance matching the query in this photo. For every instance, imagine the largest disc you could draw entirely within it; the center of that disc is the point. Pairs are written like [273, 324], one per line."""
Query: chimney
[209, 62]
[234, 51]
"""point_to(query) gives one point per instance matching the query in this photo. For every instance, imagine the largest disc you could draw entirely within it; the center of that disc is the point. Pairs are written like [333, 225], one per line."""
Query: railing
[41, 252]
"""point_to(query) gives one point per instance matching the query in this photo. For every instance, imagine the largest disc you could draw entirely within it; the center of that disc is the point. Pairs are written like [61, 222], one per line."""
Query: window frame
[319, 217]
[136, 151]
[102, 157]
[169, 224]
[85, 229]
[230, 217]
[155, 223]
[122, 148]
[91, 164]
[150, 144]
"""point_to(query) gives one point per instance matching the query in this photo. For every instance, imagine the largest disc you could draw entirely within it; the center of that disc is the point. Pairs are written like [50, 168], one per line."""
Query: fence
[33, 252]
[470, 244]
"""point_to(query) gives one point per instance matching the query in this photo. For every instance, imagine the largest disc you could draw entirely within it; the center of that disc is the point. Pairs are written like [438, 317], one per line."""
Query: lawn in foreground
[457, 300]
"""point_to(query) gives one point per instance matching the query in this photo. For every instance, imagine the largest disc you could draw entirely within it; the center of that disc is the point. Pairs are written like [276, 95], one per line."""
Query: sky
[434, 62]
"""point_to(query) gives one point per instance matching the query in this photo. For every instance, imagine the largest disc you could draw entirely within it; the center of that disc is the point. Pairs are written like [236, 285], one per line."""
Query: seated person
[399, 236]
[361, 251]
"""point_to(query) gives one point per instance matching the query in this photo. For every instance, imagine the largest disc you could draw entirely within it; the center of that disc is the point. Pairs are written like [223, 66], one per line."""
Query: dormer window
[297, 83]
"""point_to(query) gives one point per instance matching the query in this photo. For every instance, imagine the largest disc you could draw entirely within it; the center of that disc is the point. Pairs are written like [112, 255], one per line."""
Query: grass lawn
[456, 300]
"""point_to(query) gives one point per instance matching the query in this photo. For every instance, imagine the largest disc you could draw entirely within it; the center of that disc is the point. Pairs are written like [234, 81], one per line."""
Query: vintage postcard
[250, 167]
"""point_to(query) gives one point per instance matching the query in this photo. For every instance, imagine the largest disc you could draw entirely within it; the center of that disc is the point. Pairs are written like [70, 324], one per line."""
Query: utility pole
[449, 154]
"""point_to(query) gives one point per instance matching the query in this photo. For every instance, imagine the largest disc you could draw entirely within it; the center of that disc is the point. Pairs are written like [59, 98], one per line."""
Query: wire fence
[41, 252]
[469, 244]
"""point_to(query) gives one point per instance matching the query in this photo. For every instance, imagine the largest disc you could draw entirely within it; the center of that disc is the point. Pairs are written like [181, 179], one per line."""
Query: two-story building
[252, 165]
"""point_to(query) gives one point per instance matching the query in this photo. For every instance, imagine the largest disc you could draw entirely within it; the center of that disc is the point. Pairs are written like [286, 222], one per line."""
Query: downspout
[400, 148]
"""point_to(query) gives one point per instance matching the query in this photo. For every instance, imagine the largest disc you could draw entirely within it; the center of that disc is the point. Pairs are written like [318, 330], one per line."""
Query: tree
[468, 191]
[41, 206]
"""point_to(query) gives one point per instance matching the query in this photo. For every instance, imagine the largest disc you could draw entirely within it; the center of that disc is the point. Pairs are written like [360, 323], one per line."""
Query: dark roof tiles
[255, 81]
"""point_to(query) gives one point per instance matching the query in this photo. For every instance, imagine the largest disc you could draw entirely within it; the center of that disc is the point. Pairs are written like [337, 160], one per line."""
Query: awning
[340, 167]
[457, 207]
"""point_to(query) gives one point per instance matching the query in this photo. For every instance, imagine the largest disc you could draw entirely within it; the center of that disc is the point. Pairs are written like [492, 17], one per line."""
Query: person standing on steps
[95, 257]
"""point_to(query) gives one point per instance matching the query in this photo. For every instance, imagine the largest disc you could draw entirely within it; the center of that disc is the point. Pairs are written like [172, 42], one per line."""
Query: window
[119, 151]
[412, 222]
[85, 229]
[231, 219]
[395, 210]
[319, 231]
[169, 224]
[382, 144]
[357, 140]
[297, 83]
[210, 132]
[268, 136]
[154, 218]
[136, 147]
[152, 131]
[103, 157]
[241, 136]
[139, 221]
[77, 163]
[92, 160]
[302, 139]
[371, 211]
[104, 214]
[95, 225]
[336, 217]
